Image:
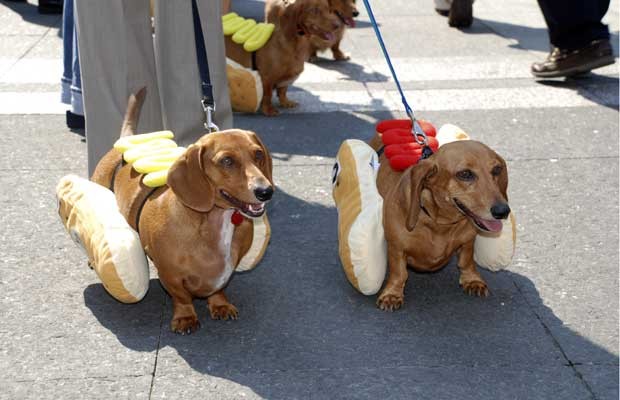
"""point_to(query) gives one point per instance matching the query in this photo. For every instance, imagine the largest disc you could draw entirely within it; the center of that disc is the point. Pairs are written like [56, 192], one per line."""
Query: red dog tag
[236, 218]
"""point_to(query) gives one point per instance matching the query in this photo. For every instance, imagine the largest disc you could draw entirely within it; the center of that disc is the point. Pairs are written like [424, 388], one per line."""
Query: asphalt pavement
[549, 329]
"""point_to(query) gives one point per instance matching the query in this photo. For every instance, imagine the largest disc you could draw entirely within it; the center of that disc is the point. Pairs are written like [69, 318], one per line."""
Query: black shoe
[574, 62]
[461, 14]
[75, 121]
[50, 6]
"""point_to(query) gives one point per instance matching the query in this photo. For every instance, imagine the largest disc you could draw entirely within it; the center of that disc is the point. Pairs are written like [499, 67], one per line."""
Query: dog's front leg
[338, 54]
[285, 102]
[470, 279]
[220, 308]
[392, 295]
[266, 105]
[184, 318]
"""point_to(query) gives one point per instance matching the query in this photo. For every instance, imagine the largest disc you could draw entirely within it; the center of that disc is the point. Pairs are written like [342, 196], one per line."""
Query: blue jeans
[71, 81]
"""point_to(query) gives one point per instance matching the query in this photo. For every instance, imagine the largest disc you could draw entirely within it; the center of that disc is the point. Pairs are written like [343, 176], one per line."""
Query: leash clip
[209, 109]
[417, 131]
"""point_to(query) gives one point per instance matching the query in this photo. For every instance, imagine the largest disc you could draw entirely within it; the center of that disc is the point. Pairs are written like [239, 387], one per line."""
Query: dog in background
[282, 58]
[346, 11]
[185, 227]
[436, 208]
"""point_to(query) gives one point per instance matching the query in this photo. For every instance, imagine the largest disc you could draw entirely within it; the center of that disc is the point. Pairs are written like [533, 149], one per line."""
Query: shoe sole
[581, 69]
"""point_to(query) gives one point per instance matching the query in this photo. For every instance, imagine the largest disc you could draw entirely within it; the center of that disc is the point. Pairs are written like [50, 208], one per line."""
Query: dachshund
[186, 227]
[435, 209]
[346, 11]
[281, 60]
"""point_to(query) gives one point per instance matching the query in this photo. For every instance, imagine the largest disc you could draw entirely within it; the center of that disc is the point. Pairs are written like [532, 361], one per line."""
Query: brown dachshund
[435, 209]
[185, 227]
[346, 11]
[282, 58]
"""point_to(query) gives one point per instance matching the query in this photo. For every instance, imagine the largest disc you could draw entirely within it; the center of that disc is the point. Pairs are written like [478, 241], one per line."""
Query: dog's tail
[134, 105]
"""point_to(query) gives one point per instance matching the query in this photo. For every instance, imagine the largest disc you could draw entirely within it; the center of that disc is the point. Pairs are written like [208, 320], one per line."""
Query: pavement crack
[161, 325]
[557, 344]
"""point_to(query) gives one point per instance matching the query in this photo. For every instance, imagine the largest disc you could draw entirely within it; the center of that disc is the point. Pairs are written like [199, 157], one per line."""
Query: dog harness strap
[119, 165]
[254, 67]
[208, 101]
[380, 151]
[149, 194]
[416, 129]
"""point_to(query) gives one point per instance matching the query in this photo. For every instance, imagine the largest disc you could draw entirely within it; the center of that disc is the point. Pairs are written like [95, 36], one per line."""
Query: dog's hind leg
[470, 279]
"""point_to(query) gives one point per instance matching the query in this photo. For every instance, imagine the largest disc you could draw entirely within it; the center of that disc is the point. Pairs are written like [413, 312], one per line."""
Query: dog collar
[236, 218]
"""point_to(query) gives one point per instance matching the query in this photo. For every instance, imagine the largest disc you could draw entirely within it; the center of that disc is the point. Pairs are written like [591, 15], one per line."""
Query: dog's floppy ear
[268, 165]
[419, 175]
[188, 180]
[290, 17]
[502, 180]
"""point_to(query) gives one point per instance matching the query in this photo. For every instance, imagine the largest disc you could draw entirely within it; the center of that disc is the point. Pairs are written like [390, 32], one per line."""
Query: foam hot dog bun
[361, 242]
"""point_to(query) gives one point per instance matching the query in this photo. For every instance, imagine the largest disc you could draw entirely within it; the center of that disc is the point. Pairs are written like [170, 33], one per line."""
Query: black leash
[208, 101]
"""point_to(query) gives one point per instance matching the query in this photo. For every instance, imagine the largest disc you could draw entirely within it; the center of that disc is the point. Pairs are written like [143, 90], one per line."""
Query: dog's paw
[185, 325]
[390, 301]
[224, 311]
[475, 288]
[270, 111]
[288, 104]
[340, 56]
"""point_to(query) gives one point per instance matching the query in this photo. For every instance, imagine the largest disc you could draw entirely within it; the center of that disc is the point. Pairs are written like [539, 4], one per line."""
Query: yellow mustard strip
[246, 32]
[127, 142]
[151, 147]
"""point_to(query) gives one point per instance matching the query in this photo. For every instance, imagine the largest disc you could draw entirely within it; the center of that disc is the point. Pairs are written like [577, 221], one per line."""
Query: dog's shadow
[304, 329]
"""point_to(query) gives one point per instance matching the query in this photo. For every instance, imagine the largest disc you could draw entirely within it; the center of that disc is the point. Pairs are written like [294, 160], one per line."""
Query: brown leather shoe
[574, 62]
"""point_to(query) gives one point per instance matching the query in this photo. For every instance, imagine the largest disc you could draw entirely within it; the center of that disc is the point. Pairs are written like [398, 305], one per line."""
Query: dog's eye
[227, 162]
[496, 171]
[259, 155]
[466, 175]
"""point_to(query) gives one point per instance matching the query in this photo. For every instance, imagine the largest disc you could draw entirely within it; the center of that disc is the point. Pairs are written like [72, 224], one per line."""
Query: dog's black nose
[356, 13]
[500, 211]
[263, 193]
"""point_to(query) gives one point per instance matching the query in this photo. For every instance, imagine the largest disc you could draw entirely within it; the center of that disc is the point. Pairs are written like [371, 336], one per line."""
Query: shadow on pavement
[29, 13]
[354, 72]
[589, 86]
[305, 332]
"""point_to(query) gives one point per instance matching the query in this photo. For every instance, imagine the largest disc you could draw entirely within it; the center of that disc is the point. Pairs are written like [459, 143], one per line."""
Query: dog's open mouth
[489, 225]
[250, 210]
[349, 21]
[325, 35]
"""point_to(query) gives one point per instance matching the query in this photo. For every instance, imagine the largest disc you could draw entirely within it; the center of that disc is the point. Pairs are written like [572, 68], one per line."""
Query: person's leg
[116, 59]
[573, 24]
[177, 68]
[67, 52]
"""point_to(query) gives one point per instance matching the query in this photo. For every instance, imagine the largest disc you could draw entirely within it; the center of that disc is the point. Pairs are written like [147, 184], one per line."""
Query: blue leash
[416, 129]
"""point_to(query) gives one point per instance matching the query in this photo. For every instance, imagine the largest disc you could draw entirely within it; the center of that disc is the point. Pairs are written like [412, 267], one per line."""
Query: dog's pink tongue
[328, 36]
[493, 225]
[350, 21]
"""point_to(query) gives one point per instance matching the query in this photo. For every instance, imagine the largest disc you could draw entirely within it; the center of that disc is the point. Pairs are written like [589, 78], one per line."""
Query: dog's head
[311, 18]
[463, 178]
[345, 10]
[228, 169]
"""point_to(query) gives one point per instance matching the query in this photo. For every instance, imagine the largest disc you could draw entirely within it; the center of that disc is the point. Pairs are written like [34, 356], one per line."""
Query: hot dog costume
[361, 243]
[90, 214]
[244, 84]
